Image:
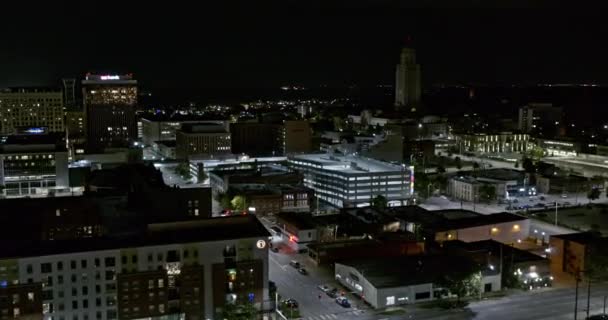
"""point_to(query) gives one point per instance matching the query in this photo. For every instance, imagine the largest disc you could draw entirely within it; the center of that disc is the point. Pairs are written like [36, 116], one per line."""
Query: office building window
[110, 262]
[46, 268]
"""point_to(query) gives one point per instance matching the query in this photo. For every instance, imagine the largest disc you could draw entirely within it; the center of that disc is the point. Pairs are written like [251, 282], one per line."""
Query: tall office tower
[540, 119]
[69, 94]
[407, 80]
[110, 102]
[26, 107]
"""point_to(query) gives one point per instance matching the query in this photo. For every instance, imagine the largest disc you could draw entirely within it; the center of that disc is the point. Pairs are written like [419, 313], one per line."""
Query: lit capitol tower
[407, 80]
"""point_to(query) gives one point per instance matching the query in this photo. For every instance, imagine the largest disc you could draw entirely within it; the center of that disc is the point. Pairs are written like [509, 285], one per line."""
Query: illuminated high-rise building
[407, 80]
[23, 107]
[69, 93]
[110, 102]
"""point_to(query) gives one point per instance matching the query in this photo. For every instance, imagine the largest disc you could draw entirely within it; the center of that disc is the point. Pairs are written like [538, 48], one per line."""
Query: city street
[304, 288]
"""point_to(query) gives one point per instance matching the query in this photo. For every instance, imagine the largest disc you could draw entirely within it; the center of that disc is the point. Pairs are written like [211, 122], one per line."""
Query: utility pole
[588, 295]
[576, 296]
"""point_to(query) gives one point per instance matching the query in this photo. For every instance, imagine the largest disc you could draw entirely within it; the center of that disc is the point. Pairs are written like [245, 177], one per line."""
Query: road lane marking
[334, 316]
[322, 316]
[278, 264]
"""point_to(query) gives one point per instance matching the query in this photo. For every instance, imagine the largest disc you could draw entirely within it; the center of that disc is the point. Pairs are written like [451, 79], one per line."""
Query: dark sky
[176, 43]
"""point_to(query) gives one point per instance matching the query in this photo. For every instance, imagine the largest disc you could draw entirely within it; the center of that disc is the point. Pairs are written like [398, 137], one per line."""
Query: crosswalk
[334, 316]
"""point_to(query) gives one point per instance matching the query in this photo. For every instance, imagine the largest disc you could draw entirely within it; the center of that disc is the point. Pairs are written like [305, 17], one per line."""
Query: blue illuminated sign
[35, 130]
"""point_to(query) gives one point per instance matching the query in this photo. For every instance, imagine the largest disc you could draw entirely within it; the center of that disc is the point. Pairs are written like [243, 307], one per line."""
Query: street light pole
[588, 295]
[556, 213]
[576, 297]
[604, 312]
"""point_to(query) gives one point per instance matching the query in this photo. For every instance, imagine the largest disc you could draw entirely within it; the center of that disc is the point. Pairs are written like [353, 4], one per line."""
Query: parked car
[564, 195]
[343, 302]
[323, 288]
[290, 303]
[294, 264]
[598, 317]
[332, 293]
[302, 271]
[274, 249]
[542, 198]
[567, 203]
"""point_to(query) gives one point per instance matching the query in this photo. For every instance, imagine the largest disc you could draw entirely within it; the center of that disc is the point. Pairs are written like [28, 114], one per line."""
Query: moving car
[332, 293]
[291, 303]
[294, 264]
[323, 288]
[302, 271]
[343, 302]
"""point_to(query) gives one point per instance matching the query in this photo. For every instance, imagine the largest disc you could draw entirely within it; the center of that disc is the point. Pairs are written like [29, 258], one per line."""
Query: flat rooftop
[475, 221]
[580, 237]
[444, 220]
[410, 270]
[207, 230]
[346, 163]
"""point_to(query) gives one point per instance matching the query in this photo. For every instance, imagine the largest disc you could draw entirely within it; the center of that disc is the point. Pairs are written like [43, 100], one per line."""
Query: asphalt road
[304, 288]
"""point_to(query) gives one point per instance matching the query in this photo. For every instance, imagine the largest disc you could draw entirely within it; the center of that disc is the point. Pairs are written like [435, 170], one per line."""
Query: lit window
[390, 300]
[30, 296]
[516, 227]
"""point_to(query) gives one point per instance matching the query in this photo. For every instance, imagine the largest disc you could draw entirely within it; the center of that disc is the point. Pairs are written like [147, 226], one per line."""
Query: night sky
[176, 44]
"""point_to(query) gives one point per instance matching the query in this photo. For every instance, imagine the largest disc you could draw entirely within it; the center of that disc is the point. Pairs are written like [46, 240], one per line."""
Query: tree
[239, 203]
[596, 260]
[487, 192]
[475, 166]
[528, 165]
[183, 170]
[224, 200]
[239, 311]
[593, 194]
[461, 283]
[458, 163]
[379, 202]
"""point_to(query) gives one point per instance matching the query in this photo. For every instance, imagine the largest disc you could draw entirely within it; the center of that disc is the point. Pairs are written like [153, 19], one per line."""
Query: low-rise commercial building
[349, 181]
[325, 253]
[530, 270]
[559, 148]
[33, 163]
[455, 224]
[506, 183]
[164, 127]
[559, 184]
[221, 180]
[172, 270]
[493, 143]
[502, 227]
[272, 199]
[202, 140]
[571, 254]
[398, 281]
